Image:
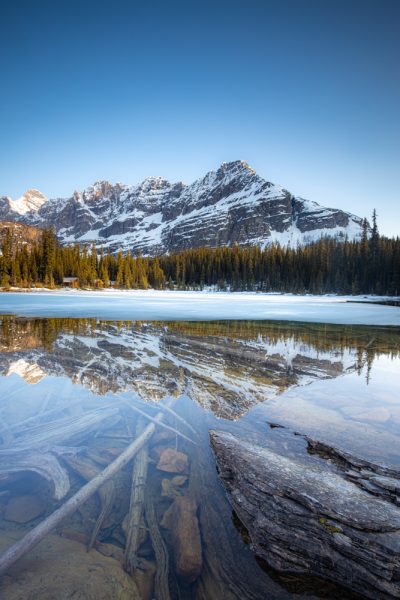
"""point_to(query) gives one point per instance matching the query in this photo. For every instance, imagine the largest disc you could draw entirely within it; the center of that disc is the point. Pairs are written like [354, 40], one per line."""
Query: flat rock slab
[310, 520]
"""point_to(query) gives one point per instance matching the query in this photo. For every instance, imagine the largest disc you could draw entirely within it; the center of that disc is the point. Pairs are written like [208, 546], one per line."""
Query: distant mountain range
[228, 206]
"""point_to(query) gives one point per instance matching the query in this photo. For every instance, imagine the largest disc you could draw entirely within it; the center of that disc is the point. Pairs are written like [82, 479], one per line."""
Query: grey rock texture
[228, 206]
[309, 520]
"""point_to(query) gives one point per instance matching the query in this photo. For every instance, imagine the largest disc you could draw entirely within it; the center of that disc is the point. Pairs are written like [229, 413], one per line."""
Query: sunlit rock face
[225, 367]
[30, 202]
[21, 235]
[230, 205]
[30, 372]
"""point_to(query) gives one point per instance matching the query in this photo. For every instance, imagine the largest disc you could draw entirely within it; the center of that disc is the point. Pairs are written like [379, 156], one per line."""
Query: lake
[78, 384]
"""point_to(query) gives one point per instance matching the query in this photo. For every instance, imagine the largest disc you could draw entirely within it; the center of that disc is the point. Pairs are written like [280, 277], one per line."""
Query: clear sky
[306, 91]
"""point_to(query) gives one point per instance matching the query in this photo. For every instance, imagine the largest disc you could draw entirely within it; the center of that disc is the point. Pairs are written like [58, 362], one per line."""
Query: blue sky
[306, 91]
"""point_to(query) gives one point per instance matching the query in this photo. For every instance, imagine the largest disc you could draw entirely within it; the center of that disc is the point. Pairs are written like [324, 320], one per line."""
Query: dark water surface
[69, 390]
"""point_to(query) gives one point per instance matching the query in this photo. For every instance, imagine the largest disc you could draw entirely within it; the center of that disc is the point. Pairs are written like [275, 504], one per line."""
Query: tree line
[369, 265]
[17, 334]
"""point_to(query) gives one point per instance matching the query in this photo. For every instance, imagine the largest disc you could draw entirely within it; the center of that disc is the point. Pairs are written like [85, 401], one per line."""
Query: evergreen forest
[370, 265]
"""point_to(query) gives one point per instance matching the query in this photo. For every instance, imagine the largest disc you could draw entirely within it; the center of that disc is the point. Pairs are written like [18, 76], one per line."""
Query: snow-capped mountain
[30, 202]
[230, 205]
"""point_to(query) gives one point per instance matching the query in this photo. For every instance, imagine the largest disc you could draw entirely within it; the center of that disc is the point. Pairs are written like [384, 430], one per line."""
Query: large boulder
[182, 522]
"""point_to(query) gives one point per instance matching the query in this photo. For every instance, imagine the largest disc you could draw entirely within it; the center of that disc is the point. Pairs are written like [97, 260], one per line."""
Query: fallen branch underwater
[38, 533]
[153, 419]
[136, 507]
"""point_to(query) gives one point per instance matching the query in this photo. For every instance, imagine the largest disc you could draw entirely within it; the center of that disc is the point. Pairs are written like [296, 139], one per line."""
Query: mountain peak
[31, 200]
[236, 166]
[153, 183]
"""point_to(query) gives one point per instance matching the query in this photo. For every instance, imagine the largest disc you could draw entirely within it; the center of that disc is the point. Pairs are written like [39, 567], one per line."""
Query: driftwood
[38, 533]
[161, 586]
[378, 480]
[163, 407]
[56, 432]
[36, 448]
[136, 507]
[169, 410]
[106, 492]
[46, 465]
[308, 519]
[43, 414]
[152, 419]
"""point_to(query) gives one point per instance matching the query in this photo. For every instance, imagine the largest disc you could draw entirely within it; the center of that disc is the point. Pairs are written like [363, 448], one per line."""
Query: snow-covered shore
[199, 306]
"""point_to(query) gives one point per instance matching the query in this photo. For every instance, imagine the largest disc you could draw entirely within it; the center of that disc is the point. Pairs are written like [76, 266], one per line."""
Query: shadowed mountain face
[226, 367]
[227, 206]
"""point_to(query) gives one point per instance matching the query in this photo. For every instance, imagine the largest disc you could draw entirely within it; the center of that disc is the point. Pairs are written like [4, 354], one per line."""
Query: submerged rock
[61, 568]
[173, 461]
[170, 488]
[309, 520]
[183, 524]
[144, 578]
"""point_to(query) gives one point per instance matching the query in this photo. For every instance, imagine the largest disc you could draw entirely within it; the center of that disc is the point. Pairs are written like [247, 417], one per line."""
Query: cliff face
[227, 206]
[22, 235]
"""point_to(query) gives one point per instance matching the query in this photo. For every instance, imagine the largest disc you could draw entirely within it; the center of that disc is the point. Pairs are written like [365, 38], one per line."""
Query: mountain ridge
[230, 205]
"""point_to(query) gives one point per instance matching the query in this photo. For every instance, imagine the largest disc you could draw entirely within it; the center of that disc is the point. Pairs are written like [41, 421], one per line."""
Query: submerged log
[56, 432]
[87, 470]
[46, 465]
[161, 586]
[303, 519]
[35, 535]
[136, 506]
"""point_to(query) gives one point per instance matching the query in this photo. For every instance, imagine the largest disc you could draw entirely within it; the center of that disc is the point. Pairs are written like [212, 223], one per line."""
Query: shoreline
[364, 298]
[168, 305]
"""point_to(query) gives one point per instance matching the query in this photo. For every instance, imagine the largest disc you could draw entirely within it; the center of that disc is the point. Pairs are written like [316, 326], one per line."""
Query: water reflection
[226, 367]
[71, 388]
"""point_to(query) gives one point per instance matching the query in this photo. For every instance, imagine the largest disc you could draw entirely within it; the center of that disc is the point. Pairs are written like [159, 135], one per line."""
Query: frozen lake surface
[198, 306]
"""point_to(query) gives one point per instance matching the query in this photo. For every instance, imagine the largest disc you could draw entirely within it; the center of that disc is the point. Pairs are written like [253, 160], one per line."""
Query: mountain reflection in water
[226, 367]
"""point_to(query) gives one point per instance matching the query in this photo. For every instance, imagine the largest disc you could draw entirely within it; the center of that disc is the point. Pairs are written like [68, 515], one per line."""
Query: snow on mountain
[227, 206]
[31, 201]
[32, 373]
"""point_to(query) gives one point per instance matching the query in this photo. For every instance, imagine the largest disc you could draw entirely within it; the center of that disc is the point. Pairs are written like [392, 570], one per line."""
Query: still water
[75, 392]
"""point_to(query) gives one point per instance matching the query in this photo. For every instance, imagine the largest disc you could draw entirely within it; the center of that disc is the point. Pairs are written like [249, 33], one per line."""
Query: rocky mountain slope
[30, 202]
[230, 205]
[21, 235]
